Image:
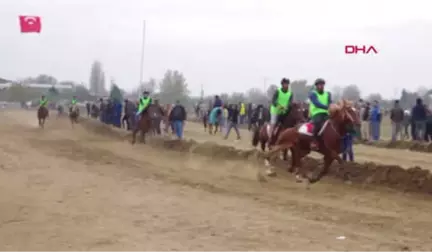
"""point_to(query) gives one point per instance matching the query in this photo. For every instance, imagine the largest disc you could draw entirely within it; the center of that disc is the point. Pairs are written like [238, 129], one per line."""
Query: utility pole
[142, 52]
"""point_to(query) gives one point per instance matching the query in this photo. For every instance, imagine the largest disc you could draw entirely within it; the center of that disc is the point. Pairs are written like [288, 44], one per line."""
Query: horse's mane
[335, 108]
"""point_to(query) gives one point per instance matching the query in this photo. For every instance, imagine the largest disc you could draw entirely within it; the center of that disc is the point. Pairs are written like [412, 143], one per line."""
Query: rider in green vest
[281, 102]
[74, 100]
[144, 102]
[43, 102]
[320, 101]
[73, 104]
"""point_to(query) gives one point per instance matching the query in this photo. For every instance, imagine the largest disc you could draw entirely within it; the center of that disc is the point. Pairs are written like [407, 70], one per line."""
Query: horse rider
[144, 102]
[281, 101]
[73, 103]
[319, 102]
[43, 102]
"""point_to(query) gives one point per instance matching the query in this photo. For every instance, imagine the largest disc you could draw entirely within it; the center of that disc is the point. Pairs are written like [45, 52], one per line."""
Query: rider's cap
[285, 81]
[319, 81]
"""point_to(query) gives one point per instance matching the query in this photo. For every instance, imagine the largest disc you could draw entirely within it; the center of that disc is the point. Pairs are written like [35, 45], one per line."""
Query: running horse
[342, 118]
[73, 114]
[262, 135]
[144, 124]
[42, 114]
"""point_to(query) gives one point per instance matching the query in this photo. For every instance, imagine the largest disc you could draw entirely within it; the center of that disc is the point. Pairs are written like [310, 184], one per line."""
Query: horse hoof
[270, 173]
[266, 162]
[299, 179]
[261, 178]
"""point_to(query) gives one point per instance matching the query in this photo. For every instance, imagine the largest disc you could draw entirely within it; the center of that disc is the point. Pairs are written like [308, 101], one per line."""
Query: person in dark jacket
[397, 116]
[177, 117]
[419, 117]
[233, 120]
[217, 102]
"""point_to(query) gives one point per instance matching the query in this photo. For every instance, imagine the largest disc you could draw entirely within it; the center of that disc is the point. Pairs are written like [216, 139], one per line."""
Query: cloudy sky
[224, 45]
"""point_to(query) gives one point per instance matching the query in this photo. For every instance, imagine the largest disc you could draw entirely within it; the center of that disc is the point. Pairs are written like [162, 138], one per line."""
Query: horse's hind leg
[134, 132]
[263, 147]
[328, 160]
[284, 154]
[142, 137]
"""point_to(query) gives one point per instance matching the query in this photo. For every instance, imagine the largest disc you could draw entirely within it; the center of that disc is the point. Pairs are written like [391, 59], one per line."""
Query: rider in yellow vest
[43, 102]
[281, 102]
[319, 102]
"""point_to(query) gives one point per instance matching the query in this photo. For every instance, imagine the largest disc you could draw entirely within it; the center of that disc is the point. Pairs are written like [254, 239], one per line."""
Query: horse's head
[345, 112]
[296, 113]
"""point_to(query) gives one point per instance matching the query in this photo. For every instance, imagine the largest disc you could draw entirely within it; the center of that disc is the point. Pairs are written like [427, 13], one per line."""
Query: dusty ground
[66, 189]
[363, 153]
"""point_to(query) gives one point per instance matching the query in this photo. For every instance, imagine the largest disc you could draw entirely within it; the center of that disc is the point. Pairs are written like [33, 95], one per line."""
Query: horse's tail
[255, 137]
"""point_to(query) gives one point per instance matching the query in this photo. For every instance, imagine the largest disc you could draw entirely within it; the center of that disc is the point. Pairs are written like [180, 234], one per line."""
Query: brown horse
[342, 116]
[73, 114]
[42, 114]
[262, 134]
[144, 124]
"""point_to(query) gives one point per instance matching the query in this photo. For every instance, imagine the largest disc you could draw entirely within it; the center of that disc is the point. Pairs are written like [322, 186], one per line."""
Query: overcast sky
[226, 45]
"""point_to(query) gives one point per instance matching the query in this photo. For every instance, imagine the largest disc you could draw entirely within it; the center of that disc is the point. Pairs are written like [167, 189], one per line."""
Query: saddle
[308, 128]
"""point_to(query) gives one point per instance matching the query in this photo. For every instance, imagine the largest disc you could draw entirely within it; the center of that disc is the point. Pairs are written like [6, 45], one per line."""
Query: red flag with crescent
[30, 24]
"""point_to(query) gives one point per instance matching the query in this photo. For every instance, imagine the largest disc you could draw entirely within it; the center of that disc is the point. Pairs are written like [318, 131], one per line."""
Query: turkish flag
[30, 24]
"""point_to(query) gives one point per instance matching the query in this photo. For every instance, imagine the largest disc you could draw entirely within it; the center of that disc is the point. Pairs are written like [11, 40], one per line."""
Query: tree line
[173, 86]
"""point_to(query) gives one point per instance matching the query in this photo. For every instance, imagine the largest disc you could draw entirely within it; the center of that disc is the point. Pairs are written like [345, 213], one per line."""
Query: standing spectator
[428, 134]
[358, 106]
[365, 125]
[397, 117]
[88, 108]
[102, 110]
[375, 121]
[406, 124]
[419, 116]
[233, 119]
[223, 119]
[177, 117]
[348, 147]
[249, 112]
[242, 113]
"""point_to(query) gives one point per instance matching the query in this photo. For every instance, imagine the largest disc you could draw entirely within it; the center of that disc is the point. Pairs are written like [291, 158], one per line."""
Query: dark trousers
[348, 148]
[318, 121]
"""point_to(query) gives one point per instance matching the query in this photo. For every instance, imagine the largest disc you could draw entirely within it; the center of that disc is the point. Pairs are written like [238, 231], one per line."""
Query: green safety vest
[323, 99]
[144, 102]
[43, 102]
[283, 100]
[74, 101]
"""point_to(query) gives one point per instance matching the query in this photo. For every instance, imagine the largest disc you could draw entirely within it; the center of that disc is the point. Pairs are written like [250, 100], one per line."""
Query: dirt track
[65, 189]
[363, 153]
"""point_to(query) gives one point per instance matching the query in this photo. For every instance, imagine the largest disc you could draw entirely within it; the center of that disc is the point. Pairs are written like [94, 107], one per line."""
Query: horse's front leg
[336, 156]
[328, 160]
[142, 137]
[297, 163]
[284, 154]
[134, 132]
